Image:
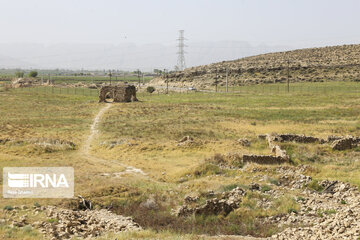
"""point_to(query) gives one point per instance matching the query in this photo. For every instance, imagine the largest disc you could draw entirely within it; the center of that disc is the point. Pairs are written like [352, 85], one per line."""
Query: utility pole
[110, 76]
[216, 80]
[288, 75]
[181, 52]
[227, 72]
[143, 79]
[167, 81]
[138, 72]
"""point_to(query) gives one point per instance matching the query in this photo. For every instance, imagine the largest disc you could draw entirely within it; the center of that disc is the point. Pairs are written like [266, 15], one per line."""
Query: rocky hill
[338, 63]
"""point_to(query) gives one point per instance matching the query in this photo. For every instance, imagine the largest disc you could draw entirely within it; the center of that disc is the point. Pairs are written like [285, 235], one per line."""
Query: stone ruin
[123, 93]
[348, 142]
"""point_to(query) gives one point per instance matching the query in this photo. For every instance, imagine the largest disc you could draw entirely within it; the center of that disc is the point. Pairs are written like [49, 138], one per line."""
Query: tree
[137, 72]
[157, 71]
[33, 74]
[19, 74]
[150, 89]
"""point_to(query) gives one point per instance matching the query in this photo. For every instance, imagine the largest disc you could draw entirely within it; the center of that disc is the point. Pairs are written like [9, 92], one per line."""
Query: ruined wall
[124, 93]
[263, 159]
[345, 143]
[297, 138]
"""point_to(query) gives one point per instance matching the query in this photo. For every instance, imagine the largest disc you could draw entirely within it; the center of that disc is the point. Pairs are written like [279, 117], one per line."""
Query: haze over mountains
[125, 56]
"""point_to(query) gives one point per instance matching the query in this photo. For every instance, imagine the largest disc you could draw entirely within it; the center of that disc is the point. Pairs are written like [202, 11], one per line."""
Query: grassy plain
[145, 134]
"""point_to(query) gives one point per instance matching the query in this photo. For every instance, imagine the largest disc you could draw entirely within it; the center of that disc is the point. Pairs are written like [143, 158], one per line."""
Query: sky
[290, 23]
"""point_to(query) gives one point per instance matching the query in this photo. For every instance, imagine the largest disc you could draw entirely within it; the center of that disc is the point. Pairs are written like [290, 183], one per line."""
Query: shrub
[265, 188]
[150, 89]
[19, 74]
[53, 220]
[292, 210]
[206, 170]
[330, 211]
[315, 186]
[33, 74]
[274, 181]
[9, 208]
[229, 187]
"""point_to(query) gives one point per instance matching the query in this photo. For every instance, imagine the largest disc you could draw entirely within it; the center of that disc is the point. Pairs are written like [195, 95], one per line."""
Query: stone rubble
[66, 223]
[345, 143]
[297, 138]
[244, 142]
[224, 205]
[333, 213]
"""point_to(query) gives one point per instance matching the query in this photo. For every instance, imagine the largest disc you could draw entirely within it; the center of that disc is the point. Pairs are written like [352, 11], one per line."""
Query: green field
[145, 135]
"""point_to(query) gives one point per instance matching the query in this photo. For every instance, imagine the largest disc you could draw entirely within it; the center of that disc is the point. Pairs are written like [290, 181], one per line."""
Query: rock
[150, 204]
[228, 202]
[244, 142]
[254, 186]
[190, 199]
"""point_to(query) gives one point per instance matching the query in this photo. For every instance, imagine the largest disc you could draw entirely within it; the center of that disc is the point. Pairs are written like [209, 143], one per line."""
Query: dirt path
[85, 150]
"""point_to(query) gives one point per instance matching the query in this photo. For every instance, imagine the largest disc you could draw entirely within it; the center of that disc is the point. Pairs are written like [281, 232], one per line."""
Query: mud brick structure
[125, 93]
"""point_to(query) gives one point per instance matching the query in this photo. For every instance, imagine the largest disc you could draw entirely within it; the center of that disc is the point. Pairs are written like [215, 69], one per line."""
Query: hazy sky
[131, 34]
[290, 22]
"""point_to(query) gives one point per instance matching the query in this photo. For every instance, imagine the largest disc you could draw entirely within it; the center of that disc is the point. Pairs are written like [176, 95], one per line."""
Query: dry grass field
[146, 135]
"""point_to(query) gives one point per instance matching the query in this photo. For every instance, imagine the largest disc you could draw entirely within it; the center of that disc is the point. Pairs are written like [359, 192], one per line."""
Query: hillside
[337, 63]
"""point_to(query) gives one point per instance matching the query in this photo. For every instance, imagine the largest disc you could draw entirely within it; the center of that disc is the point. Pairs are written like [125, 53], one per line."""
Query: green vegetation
[315, 186]
[19, 74]
[150, 89]
[33, 74]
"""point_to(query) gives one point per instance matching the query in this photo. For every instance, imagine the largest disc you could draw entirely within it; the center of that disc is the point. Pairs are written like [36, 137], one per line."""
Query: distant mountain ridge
[336, 63]
[124, 56]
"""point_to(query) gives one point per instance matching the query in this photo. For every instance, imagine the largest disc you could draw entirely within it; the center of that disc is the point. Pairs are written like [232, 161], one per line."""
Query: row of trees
[32, 74]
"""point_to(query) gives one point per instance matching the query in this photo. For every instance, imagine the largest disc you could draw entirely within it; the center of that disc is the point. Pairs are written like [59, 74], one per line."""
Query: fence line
[264, 89]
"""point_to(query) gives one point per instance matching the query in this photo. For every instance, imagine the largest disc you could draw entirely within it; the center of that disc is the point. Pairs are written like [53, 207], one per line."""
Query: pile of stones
[228, 202]
[348, 142]
[66, 224]
[331, 214]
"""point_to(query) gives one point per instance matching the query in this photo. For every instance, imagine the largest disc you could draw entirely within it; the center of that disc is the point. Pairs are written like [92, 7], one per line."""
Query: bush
[315, 186]
[206, 170]
[33, 74]
[265, 188]
[229, 187]
[9, 208]
[150, 89]
[19, 74]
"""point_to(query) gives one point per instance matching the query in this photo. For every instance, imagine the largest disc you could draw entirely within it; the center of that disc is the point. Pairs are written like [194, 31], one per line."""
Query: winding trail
[85, 150]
